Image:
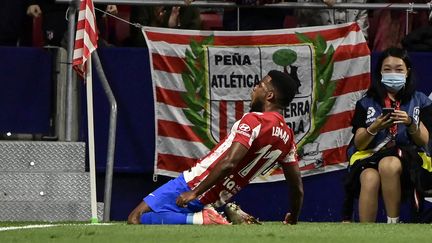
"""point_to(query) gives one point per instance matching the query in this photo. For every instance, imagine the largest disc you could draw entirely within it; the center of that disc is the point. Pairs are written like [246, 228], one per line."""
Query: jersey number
[263, 153]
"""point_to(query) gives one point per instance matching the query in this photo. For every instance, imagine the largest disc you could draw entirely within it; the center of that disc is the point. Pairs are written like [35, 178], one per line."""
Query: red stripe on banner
[176, 130]
[281, 39]
[168, 63]
[174, 163]
[335, 156]
[333, 34]
[345, 52]
[239, 110]
[174, 38]
[337, 121]
[223, 121]
[170, 97]
[267, 39]
[352, 84]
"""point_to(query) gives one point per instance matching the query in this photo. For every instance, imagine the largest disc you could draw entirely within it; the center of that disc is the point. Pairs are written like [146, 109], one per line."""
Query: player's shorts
[164, 198]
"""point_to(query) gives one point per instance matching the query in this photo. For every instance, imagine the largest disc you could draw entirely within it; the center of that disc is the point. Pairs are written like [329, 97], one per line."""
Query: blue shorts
[164, 198]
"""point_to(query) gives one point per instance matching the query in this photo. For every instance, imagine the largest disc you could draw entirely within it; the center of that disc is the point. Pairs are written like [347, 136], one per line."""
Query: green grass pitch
[268, 232]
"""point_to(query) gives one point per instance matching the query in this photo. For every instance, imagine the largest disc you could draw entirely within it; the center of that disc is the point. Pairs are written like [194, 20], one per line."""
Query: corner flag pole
[89, 89]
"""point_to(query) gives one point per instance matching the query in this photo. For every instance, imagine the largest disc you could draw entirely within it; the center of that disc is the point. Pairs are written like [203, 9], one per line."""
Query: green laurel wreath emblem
[197, 99]
[196, 96]
[324, 88]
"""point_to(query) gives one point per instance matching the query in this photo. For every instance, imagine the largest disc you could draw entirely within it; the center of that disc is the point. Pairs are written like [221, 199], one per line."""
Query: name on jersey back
[280, 133]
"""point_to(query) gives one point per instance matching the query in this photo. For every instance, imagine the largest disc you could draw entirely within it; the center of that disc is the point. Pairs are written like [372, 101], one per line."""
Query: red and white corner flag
[85, 44]
[86, 36]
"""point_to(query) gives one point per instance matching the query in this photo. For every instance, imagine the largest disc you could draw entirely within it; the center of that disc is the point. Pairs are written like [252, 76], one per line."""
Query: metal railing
[111, 99]
[198, 3]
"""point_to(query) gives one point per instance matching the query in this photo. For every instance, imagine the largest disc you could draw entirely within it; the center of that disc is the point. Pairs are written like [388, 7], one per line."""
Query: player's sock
[207, 216]
[195, 218]
[166, 218]
[391, 220]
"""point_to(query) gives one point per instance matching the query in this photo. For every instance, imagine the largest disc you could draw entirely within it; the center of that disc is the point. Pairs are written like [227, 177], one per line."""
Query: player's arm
[231, 159]
[293, 177]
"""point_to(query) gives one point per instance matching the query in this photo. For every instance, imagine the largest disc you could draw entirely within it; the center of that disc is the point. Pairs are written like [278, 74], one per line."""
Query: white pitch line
[36, 226]
[27, 227]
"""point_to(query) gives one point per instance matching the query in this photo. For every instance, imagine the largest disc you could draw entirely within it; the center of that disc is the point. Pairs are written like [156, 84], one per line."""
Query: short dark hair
[285, 85]
[377, 90]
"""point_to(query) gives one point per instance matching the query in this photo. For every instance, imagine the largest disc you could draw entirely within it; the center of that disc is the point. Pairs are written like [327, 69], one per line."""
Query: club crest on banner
[234, 71]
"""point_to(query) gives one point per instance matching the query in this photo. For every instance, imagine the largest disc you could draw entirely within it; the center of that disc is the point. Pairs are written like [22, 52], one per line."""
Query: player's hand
[185, 198]
[289, 219]
[34, 11]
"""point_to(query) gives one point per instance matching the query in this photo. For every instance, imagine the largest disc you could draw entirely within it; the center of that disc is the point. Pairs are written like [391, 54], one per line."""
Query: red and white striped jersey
[270, 142]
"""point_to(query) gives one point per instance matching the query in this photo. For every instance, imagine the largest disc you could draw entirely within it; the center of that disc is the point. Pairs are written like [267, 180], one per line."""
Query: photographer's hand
[399, 116]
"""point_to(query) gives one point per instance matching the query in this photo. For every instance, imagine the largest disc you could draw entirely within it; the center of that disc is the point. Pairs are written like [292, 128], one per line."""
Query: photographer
[389, 149]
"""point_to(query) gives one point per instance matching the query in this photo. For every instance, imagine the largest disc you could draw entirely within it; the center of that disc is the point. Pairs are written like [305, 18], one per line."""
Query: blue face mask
[393, 81]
